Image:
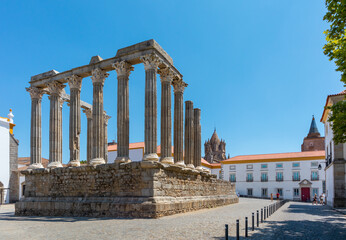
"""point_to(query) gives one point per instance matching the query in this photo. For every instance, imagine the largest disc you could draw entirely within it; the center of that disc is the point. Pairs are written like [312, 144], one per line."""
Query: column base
[151, 157]
[122, 160]
[180, 163]
[200, 168]
[97, 161]
[74, 163]
[190, 166]
[206, 170]
[35, 165]
[168, 160]
[55, 165]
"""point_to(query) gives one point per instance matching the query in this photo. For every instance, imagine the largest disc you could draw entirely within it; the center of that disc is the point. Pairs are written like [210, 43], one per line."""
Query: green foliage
[83, 161]
[335, 48]
[338, 121]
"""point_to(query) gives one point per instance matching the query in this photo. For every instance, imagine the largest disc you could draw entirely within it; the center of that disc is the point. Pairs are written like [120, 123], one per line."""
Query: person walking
[315, 200]
[271, 196]
[277, 196]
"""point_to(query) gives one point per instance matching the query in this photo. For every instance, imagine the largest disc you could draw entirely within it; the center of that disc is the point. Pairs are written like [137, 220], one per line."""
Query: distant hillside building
[313, 141]
[215, 149]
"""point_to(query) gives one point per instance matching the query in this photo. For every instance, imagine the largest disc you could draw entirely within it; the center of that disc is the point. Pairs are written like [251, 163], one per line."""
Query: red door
[305, 194]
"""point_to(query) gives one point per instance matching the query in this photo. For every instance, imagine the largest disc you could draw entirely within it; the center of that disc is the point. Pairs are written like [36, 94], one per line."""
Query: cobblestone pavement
[292, 221]
[297, 220]
[203, 224]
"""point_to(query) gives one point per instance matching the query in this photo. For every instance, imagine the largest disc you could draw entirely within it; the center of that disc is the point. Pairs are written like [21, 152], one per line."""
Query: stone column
[35, 131]
[123, 70]
[151, 63]
[197, 139]
[55, 124]
[106, 135]
[189, 132]
[98, 77]
[88, 113]
[166, 118]
[179, 87]
[75, 83]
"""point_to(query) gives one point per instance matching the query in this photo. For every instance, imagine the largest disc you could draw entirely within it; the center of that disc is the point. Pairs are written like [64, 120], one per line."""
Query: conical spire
[313, 128]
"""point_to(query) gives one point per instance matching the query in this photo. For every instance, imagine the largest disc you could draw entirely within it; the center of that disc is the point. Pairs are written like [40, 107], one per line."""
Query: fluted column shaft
[123, 70]
[89, 113]
[189, 135]
[75, 84]
[179, 87]
[98, 77]
[166, 118]
[36, 128]
[106, 136]
[151, 63]
[197, 137]
[55, 125]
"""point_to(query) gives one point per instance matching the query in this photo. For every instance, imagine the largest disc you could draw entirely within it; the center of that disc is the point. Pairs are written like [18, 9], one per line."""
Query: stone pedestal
[55, 124]
[123, 70]
[189, 135]
[151, 63]
[98, 77]
[166, 118]
[75, 83]
[179, 87]
[36, 129]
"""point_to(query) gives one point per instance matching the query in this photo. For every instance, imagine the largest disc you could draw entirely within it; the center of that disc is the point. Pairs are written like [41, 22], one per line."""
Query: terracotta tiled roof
[137, 145]
[210, 165]
[277, 156]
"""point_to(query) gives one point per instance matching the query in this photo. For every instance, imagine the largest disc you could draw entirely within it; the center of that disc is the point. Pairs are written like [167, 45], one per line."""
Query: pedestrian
[278, 196]
[271, 196]
[323, 198]
[314, 200]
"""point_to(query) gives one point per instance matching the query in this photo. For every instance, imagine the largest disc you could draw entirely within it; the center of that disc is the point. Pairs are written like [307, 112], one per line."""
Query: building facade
[335, 169]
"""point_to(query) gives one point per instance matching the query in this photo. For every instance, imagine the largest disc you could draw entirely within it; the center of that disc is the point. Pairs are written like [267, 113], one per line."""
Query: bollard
[245, 226]
[237, 229]
[257, 218]
[261, 215]
[253, 221]
[226, 232]
[265, 212]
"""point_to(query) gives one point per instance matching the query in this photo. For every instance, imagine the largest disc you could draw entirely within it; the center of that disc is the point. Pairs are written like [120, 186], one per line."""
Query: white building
[335, 170]
[9, 180]
[295, 176]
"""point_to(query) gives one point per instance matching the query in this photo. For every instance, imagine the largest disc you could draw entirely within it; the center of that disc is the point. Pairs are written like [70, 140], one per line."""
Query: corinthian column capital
[166, 74]
[35, 92]
[74, 82]
[55, 88]
[123, 68]
[151, 61]
[88, 112]
[179, 85]
[107, 117]
[99, 76]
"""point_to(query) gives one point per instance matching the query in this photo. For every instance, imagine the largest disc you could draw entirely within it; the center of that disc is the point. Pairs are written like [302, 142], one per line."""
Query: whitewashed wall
[5, 155]
[136, 155]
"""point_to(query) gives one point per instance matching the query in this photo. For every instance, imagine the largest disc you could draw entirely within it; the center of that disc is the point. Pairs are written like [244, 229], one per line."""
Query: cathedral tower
[313, 141]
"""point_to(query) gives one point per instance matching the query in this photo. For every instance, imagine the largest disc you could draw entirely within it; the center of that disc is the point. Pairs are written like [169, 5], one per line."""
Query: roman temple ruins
[154, 187]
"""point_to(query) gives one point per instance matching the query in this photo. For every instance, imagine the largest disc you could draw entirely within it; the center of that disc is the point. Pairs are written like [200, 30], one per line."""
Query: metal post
[257, 218]
[265, 212]
[261, 215]
[226, 232]
[237, 229]
[246, 227]
[253, 221]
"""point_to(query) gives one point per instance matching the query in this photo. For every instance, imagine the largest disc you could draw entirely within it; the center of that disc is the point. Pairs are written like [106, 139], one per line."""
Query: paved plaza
[292, 221]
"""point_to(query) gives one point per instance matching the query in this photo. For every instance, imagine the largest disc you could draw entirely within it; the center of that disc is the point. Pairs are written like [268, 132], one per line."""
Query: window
[249, 191]
[249, 177]
[314, 191]
[264, 165]
[295, 165]
[296, 192]
[264, 177]
[314, 176]
[264, 192]
[232, 167]
[279, 177]
[279, 165]
[232, 177]
[279, 191]
[314, 164]
[249, 166]
[296, 176]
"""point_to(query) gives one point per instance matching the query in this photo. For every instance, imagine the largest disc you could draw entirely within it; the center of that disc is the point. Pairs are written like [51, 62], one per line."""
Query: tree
[335, 49]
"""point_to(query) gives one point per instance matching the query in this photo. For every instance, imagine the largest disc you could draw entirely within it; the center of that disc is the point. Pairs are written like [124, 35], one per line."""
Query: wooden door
[305, 194]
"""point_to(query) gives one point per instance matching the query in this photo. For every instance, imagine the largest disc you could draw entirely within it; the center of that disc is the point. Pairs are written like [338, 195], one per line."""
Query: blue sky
[255, 68]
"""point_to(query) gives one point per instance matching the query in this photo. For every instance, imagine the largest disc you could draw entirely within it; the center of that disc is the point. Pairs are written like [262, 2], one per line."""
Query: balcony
[315, 178]
[296, 178]
[279, 179]
[264, 179]
[249, 179]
